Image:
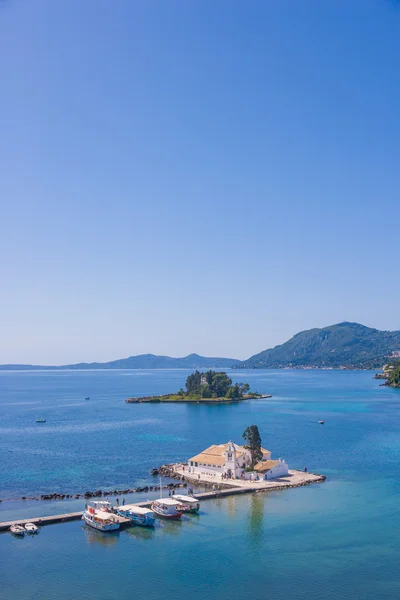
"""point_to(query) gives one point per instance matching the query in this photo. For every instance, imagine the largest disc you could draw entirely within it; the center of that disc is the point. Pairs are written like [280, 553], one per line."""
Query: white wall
[206, 470]
[280, 470]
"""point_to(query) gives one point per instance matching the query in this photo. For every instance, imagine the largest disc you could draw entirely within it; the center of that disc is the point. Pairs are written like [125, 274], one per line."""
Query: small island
[210, 386]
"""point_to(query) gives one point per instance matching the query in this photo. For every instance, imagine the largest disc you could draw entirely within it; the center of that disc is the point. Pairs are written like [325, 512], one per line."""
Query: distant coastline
[344, 346]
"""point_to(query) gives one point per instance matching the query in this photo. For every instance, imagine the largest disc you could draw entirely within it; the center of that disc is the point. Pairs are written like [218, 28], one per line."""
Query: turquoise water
[338, 539]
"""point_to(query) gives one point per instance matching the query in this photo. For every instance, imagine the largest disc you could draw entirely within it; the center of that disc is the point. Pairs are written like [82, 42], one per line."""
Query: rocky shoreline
[99, 493]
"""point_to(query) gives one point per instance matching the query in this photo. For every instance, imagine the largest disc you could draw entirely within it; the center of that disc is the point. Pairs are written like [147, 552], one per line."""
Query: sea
[334, 540]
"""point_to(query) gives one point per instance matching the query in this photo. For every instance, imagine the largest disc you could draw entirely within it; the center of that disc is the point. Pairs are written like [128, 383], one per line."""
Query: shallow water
[338, 539]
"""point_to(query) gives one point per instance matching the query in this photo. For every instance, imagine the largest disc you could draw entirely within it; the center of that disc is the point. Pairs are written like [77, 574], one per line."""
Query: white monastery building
[230, 460]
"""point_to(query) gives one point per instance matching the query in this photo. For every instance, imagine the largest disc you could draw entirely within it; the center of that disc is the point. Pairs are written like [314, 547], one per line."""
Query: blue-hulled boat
[137, 514]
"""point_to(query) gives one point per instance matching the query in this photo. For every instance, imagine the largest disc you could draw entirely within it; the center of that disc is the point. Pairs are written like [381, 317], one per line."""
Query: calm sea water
[339, 539]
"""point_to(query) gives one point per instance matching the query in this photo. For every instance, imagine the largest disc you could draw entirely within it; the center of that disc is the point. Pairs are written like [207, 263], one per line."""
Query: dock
[40, 521]
[220, 493]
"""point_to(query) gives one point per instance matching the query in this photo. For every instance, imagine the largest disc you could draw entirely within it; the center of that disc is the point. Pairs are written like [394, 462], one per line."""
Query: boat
[168, 508]
[100, 519]
[31, 528]
[87, 398]
[40, 420]
[137, 514]
[321, 422]
[17, 530]
[188, 503]
[103, 505]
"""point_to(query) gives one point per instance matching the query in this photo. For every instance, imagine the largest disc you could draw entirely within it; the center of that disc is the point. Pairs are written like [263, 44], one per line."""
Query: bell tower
[230, 459]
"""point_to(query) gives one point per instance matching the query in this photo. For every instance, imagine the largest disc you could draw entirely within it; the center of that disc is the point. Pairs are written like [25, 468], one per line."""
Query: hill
[349, 345]
[142, 361]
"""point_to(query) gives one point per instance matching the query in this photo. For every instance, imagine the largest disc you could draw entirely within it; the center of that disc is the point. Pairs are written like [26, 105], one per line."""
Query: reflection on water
[256, 518]
[170, 527]
[99, 537]
[140, 533]
[231, 506]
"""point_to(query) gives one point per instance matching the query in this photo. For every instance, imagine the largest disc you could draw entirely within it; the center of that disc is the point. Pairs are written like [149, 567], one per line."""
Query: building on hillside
[230, 461]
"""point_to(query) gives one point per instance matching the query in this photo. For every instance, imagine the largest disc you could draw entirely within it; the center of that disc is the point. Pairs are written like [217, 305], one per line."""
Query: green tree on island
[208, 385]
[253, 443]
[214, 384]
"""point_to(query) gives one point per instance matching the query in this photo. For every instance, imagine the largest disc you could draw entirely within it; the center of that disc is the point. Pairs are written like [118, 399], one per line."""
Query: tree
[244, 388]
[234, 392]
[252, 436]
[193, 383]
[220, 384]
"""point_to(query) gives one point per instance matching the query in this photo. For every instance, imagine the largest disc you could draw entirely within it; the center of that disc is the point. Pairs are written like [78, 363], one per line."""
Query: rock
[23, 498]
[88, 495]
[98, 493]
[155, 471]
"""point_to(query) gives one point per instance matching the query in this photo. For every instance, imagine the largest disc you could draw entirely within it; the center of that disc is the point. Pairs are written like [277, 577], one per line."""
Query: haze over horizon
[195, 177]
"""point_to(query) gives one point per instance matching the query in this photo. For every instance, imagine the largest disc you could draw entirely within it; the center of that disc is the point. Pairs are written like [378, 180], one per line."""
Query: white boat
[100, 519]
[31, 528]
[168, 508]
[137, 514]
[188, 503]
[17, 530]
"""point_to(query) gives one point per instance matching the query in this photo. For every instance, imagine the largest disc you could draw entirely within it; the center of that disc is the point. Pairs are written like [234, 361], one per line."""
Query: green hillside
[349, 345]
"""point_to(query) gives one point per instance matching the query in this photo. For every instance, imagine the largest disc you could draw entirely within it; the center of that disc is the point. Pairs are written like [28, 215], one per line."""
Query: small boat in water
[168, 508]
[31, 528]
[40, 420]
[100, 519]
[87, 398]
[321, 422]
[137, 514]
[188, 503]
[17, 530]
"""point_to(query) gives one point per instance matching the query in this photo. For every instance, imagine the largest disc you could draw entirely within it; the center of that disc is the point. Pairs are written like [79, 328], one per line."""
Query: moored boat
[168, 508]
[40, 420]
[321, 422]
[17, 530]
[138, 515]
[31, 528]
[188, 503]
[100, 519]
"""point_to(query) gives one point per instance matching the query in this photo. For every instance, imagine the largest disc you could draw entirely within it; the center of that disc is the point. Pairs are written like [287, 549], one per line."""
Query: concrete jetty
[294, 479]
[40, 521]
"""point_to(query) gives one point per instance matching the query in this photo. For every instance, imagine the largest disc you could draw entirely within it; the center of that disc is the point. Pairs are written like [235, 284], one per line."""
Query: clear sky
[195, 176]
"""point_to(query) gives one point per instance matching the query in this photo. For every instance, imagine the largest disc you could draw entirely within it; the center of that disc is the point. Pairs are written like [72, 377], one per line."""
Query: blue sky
[206, 177]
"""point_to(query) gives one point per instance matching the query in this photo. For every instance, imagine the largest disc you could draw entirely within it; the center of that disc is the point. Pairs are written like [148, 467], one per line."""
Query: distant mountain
[142, 361]
[349, 345]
